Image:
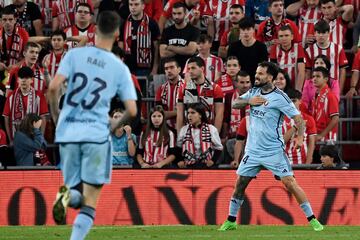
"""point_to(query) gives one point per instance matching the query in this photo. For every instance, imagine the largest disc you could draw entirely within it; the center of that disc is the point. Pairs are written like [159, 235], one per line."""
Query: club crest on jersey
[266, 103]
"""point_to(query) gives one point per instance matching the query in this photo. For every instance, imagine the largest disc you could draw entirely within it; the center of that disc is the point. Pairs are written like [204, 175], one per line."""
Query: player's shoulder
[281, 95]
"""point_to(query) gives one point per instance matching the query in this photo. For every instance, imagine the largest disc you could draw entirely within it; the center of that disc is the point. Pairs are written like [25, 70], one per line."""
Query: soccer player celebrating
[86, 152]
[265, 143]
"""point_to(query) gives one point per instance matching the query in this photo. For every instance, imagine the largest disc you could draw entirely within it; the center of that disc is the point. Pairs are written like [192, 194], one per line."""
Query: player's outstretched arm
[53, 95]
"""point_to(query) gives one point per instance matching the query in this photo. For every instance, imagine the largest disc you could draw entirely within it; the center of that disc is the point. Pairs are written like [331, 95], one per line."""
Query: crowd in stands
[200, 56]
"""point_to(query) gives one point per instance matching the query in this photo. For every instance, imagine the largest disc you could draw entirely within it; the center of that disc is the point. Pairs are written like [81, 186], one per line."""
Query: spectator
[179, 40]
[199, 89]
[157, 142]
[139, 38]
[123, 142]
[330, 158]
[338, 24]
[309, 13]
[197, 12]
[31, 54]
[214, 66]
[221, 14]
[28, 140]
[231, 123]
[290, 57]
[325, 107]
[233, 34]
[334, 52]
[305, 152]
[257, 10]
[12, 38]
[268, 29]
[355, 76]
[3, 140]
[167, 93]
[226, 82]
[154, 9]
[45, 7]
[82, 27]
[241, 135]
[52, 60]
[63, 12]
[309, 89]
[28, 16]
[282, 81]
[200, 141]
[25, 99]
[248, 50]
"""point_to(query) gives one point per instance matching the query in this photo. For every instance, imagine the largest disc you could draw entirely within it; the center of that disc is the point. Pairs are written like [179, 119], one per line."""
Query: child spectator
[123, 142]
[28, 140]
[157, 143]
[200, 141]
[330, 158]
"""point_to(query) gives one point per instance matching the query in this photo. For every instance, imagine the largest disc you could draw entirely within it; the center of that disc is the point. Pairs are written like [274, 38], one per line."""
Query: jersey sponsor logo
[258, 113]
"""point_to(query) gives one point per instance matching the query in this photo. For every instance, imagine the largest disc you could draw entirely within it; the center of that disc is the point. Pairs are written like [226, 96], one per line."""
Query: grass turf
[185, 232]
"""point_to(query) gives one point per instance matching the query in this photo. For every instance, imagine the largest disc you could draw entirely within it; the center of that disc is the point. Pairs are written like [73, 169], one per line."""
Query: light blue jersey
[94, 76]
[265, 136]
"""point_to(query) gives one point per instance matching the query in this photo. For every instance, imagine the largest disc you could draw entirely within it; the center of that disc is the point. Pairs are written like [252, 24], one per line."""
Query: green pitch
[185, 233]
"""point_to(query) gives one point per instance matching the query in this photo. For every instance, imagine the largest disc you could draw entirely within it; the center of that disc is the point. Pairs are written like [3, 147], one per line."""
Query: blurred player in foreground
[94, 75]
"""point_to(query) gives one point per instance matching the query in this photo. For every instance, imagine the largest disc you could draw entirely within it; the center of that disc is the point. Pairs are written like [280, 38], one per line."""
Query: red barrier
[185, 197]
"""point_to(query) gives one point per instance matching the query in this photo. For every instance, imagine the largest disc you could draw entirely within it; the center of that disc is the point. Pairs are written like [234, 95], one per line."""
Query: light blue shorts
[86, 162]
[278, 164]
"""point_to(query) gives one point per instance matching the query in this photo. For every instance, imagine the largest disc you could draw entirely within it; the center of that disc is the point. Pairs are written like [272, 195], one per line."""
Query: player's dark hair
[205, 38]
[294, 94]
[199, 108]
[180, 5]
[324, 71]
[322, 26]
[84, 4]
[25, 72]
[8, 10]
[271, 68]
[198, 60]
[237, 6]
[246, 23]
[27, 124]
[58, 33]
[326, 1]
[171, 59]
[107, 23]
[325, 60]
[286, 27]
[163, 129]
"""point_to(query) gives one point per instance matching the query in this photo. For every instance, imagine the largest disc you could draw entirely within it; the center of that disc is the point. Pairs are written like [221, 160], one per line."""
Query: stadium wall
[163, 197]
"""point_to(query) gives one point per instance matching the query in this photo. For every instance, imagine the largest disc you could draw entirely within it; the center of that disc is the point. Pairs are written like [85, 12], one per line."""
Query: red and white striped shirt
[166, 96]
[54, 60]
[337, 31]
[334, 52]
[356, 62]
[64, 10]
[214, 67]
[221, 9]
[45, 7]
[325, 105]
[237, 115]
[152, 153]
[308, 16]
[289, 59]
[74, 31]
[298, 155]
